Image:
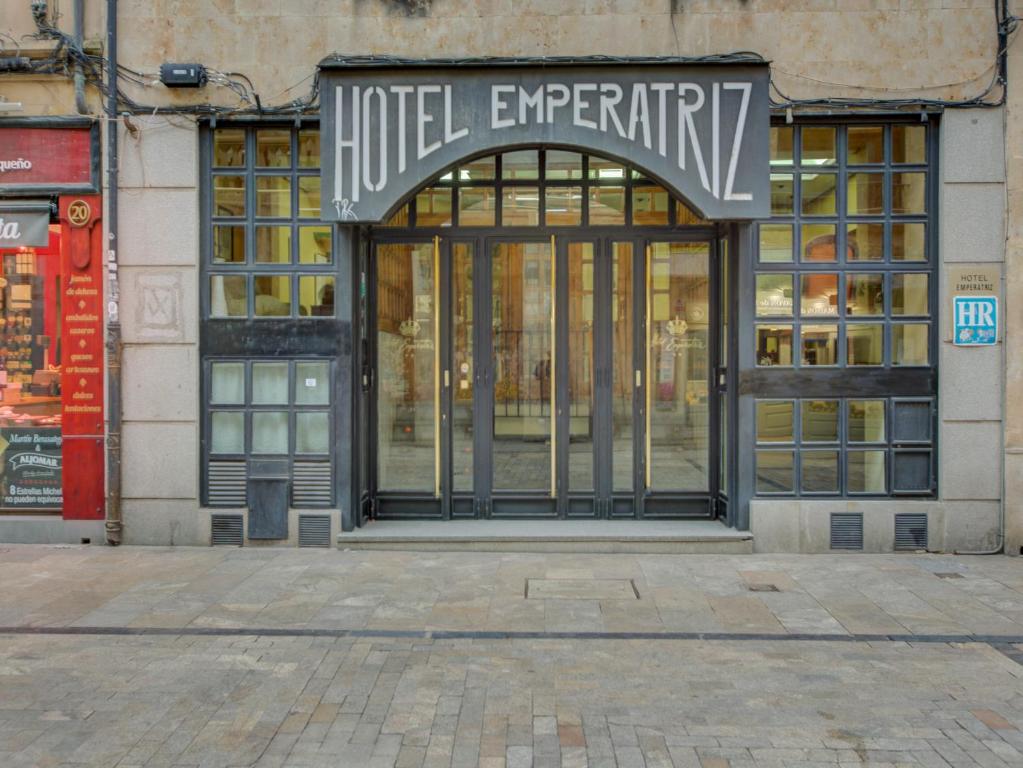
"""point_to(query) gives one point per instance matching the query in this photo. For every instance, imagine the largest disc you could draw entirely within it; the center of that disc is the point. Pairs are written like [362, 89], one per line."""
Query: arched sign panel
[701, 129]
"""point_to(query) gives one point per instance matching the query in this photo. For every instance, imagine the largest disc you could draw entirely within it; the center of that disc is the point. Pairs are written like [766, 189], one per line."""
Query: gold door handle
[554, 369]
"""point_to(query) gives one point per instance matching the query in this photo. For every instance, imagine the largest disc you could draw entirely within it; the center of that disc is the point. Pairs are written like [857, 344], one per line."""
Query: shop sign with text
[41, 158]
[32, 468]
[701, 130]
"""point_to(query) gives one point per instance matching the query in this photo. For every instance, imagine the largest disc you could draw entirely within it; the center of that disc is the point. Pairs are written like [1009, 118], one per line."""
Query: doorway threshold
[682, 537]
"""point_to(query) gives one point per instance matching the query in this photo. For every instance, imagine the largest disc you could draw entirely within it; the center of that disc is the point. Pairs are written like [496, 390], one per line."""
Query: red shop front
[51, 321]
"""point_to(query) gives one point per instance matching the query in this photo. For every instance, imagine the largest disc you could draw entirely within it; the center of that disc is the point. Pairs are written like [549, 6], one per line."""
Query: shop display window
[31, 362]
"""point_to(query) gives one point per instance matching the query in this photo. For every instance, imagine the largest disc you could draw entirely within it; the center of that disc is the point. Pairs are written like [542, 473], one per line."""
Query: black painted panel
[271, 338]
[839, 382]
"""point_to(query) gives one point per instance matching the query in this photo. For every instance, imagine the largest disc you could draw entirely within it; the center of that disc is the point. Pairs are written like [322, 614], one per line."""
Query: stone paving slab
[291, 588]
[269, 657]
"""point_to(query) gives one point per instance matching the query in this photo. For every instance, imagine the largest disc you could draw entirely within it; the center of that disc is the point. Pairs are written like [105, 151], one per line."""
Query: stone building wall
[843, 48]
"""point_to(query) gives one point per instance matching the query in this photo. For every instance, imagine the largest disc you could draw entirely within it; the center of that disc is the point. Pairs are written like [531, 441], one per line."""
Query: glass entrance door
[557, 377]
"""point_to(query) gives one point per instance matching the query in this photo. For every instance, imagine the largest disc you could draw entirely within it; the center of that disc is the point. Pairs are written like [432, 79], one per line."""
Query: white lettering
[662, 115]
[9, 230]
[450, 135]
[341, 144]
[20, 164]
[497, 104]
[381, 138]
[580, 104]
[610, 95]
[715, 137]
[532, 101]
[402, 91]
[422, 118]
[554, 102]
[687, 127]
[639, 113]
[740, 126]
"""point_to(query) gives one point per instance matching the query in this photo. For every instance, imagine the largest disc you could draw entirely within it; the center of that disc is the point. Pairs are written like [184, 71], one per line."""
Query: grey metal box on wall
[268, 491]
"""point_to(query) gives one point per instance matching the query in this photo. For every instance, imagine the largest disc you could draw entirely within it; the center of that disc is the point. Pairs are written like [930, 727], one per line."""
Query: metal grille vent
[911, 531]
[226, 483]
[226, 531]
[847, 530]
[314, 530]
[311, 484]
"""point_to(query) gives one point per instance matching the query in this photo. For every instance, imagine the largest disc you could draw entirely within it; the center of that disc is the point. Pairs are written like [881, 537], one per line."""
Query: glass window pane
[910, 295]
[865, 194]
[273, 148]
[818, 146]
[909, 144]
[864, 242]
[228, 244]
[564, 206]
[477, 206]
[909, 192]
[650, 206]
[866, 421]
[273, 196]
[820, 421]
[864, 294]
[315, 245]
[604, 170]
[228, 195]
[316, 295]
[309, 148]
[273, 245]
[864, 344]
[564, 165]
[312, 383]
[524, 164]
[866, 144]
[775, 471]
[775, 421]
[679, 457]
[819, 193]
[865, 472]
[819, 344]
[480, 169]
[910, 344]
[309, 197]
[462, 338]
[581, 366]
[685, 215]
[227, 432]
[776, 243]
[782, 194]
[819, 242]
[520, 206]
[270, 432]
[908, 242]
[774, 345]
[622, 387]
[227, 383]
[312, 432]
[229, 296]
[774, 295]
[433, 207]
[400, 218]
[229, 148]
[405, 340]
[273, 295]
[818, 294]
[270, 383]
[781, 145]
[607, 206]
[818, 471]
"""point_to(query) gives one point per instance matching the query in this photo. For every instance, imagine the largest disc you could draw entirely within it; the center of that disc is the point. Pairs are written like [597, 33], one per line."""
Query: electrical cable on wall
[68, 54]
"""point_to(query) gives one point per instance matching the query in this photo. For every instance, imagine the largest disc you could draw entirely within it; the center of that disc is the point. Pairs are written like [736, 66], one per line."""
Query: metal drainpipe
[114, 521]
[79, 77]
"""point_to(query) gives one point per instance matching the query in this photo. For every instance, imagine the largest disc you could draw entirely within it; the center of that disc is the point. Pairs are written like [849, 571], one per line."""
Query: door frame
[606, 503]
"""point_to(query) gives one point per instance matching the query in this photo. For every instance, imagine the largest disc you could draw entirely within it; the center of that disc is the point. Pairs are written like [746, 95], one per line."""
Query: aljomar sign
[700, 129]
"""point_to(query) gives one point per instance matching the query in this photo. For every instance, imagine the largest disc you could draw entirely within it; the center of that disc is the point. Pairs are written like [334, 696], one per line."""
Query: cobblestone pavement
[259, 657]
